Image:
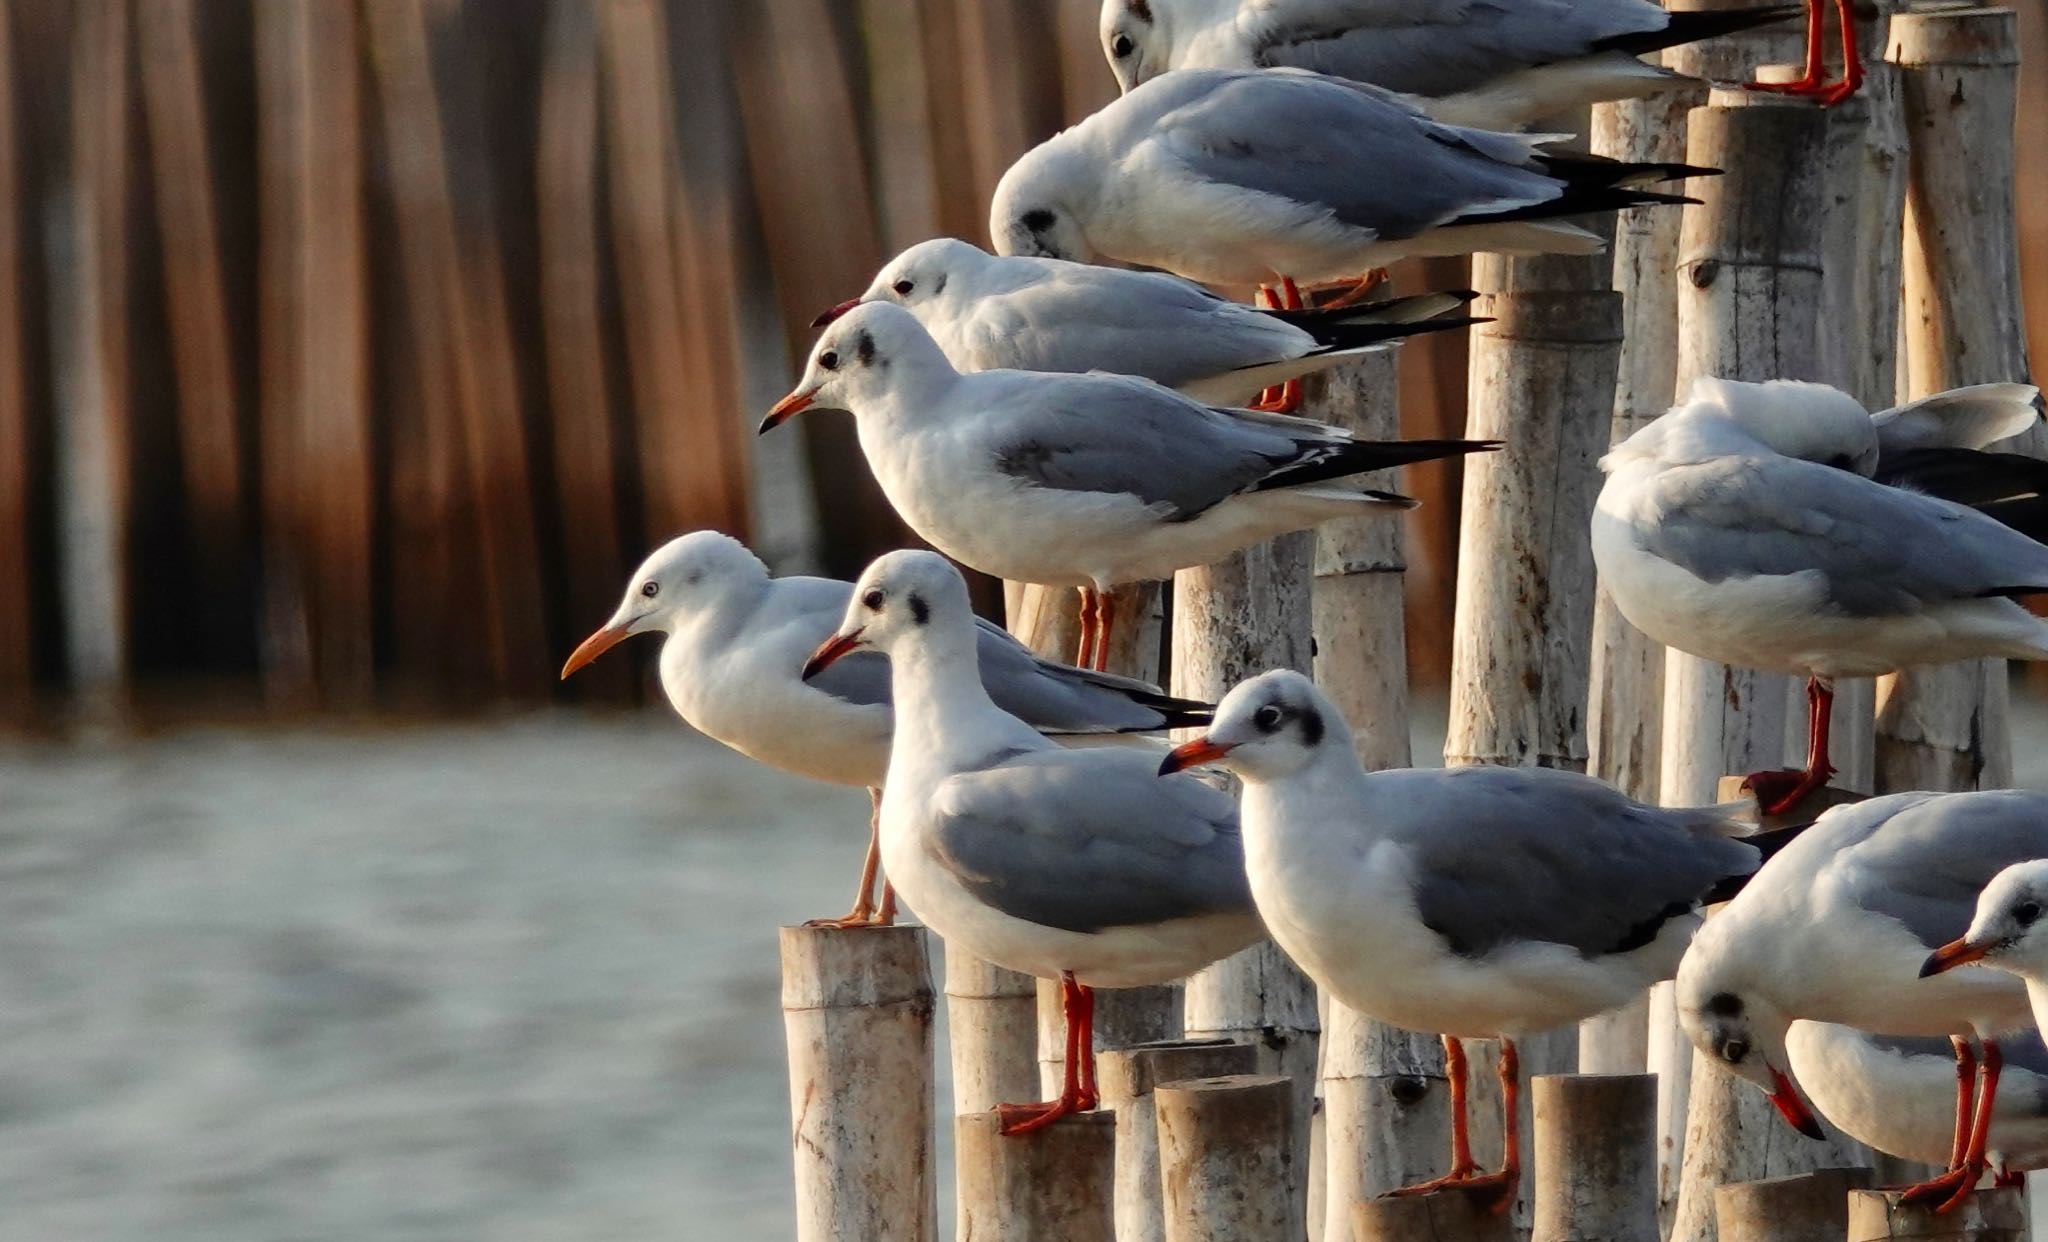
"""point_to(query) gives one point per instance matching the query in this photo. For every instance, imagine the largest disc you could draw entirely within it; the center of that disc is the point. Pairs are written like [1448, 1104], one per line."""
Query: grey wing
[1510, 855]
[1130, 323]
[1088, 840]
[1969, 418]
[1924, 859]
[812, 608]
[1061, 699]
[1877, 550]
[1368, 159]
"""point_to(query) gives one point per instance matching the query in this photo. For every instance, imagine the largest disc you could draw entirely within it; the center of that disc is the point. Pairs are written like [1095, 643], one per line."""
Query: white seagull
[1899, 1094]
[2006, 932]
[1782, 527]
[1497, 63]
[1838, 926]
[735, 640]
[1476, 902]
[1019, 313]
[1261, 177]
[1074, 865]
[1086, 481]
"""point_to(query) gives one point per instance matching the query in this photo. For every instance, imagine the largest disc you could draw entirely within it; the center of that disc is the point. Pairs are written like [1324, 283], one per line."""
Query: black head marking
[939, 285]
[1038, 219]
[1139, 9]
[920, 611]
[1724, 1005]
[864, 348]
[1311, 727]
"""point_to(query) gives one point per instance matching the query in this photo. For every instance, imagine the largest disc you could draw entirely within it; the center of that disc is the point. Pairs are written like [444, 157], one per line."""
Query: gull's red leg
[1779, 792]
[1463, 1167]
[863, 912]
[1966, 1079]
[1077, 1091]
[1504, 1183]
[1813, 79]
[1852, 58]
[1105, 624]
[1085, 657]
[1359, 289]
[1268, 398]
[1950, 1188]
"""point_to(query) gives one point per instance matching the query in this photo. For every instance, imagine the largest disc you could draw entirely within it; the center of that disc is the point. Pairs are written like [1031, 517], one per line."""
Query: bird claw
[1946, 1192]
[1030, 1118]
[1280, 399]
[1780, 792]
[1826, 94]
[857, 917]
[1494, 1191]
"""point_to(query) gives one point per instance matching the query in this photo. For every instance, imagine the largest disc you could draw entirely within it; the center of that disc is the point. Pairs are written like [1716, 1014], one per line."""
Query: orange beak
[594, 646]
[1192, 754]
[1793, 1109]
[785, 409]
[830, 652]
[1953, 954]
[835, 312]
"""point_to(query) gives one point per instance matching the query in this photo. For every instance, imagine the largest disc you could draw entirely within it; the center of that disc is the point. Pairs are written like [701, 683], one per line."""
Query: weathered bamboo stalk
[1788, 1209]
[1128, 1077]
[1947, 728]
[1386, 1120]
[1056, 1183]
[1442, 1216]
[1986, 1216]
[1124, 1017]
[1223, 1158]
[1596, 1157]
[991, 1027]
[857, 1011]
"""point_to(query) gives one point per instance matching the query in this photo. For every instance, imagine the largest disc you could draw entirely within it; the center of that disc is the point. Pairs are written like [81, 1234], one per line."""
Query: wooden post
[1386, 1115]
[1056, 1183]
[1947, 728]
[1788, 1209]
[989, 1022]
[1986, 1216]
[1595, 1157]
[1231, 620]
[857, 1010]
[1127, 1077]
[1443, 1216]
[1124, 1017]
[1223, 1158]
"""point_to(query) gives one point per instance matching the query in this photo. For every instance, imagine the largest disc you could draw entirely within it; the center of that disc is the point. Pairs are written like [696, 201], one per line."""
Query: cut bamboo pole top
[1986, 1216]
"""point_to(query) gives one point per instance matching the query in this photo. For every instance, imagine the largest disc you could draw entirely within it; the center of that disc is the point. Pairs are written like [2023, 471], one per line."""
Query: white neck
[943, 713]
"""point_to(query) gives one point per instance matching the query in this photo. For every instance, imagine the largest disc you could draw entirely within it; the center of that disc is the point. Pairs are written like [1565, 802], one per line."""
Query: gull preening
[1019, 313]
[1261, 177]
[1838, 926]
[2006, 932]
[1782, 527]
[1474, 903]
[1088, 481]
[1499, 64]
[1079, 866]
[735, 640]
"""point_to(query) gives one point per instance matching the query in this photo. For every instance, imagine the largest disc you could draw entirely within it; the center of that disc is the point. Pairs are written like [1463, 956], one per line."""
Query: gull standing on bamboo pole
[735, 638]
[1086, 481]
[1480, 902]
[1498, 63]
[1076, 865]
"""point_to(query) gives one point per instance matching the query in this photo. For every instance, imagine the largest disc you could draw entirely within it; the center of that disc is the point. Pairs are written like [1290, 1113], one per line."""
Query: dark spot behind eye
[1038, 219]
[920, 611]
[1725, 1004]
[1311, 727]
[939, 285]
[864, 349]
[1140, 9]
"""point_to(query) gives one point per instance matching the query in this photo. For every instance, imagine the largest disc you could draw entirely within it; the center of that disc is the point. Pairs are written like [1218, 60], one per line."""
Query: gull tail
[1690, 27]
[1352, 326]
[1767, 845]
[2009, 488]
[1322, 461]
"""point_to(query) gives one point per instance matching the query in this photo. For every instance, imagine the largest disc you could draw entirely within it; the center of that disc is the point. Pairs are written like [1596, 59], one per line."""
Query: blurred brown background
[351, 351]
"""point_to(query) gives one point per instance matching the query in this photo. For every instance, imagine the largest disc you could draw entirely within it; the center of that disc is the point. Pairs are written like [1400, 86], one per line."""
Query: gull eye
[872, 601]
[650, 588]
[1121, 47]
[1267, 718]
[903, 288]
[2026, 912]
[829, 360]
[1733, 1050]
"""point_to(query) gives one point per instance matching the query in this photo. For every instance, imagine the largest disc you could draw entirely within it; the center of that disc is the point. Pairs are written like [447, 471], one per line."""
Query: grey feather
[1970, 418]
[1923, 858]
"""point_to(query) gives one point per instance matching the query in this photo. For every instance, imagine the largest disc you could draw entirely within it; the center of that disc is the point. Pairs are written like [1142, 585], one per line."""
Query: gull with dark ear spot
[2007, 932]
[734, 639]
[1839, 926]
[1086, 481]
[1475, 903]
[1072, 865]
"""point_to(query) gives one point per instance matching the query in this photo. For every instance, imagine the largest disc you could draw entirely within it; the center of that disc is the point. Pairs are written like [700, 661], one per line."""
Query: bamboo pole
[989, 1023]
[1124, 1017]
[1452, 1215]
[1128, 1077]
[1056, 1183]
[857, 1011]
[1788, 1209]
[1986, 1216]
[1596, 1157]
[1386, 1116]
[1948, 728]
[17, 499]
[1223, 1158]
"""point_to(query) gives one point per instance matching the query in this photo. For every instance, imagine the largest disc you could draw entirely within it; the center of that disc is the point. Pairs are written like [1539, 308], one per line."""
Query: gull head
[872, 349]
[1134, 40]
[1033, 212]
[905, 598]
[926, 276]
[2007, 931]
[1795, 418]
[1739, 1027]
[1266, 729]
[687, 576]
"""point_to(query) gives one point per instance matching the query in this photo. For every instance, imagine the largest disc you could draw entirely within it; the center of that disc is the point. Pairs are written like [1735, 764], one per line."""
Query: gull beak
[1785, 1097]
[785, 409]
[835, 312]
[1193, 754]
[594, 646]
[1953, 954]
[830, 652]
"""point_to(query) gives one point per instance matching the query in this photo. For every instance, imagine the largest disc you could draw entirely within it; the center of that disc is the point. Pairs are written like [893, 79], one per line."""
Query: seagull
[1782, 527]
[736, 639]
[1019, 313]
[2003, 932]
[1475, 902]
[1086, 481]
[1899, 1094]
[1837, 926]
[1270, 177]
[1073, 865]
[1496, 63]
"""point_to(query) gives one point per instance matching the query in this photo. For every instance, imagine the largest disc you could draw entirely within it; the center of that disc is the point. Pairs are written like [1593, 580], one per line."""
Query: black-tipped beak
[830, 652]
[1953, 954]
[832, 313]
[784, 410]
[1785, 1098]
[1192, 754]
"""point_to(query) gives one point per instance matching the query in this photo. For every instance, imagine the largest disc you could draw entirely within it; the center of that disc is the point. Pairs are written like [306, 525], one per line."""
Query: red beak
[1793, 1109]
[830, 652]
[783, 410]
[1953, 954]
[835, 312]
[1192, 754]
[594, 646]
